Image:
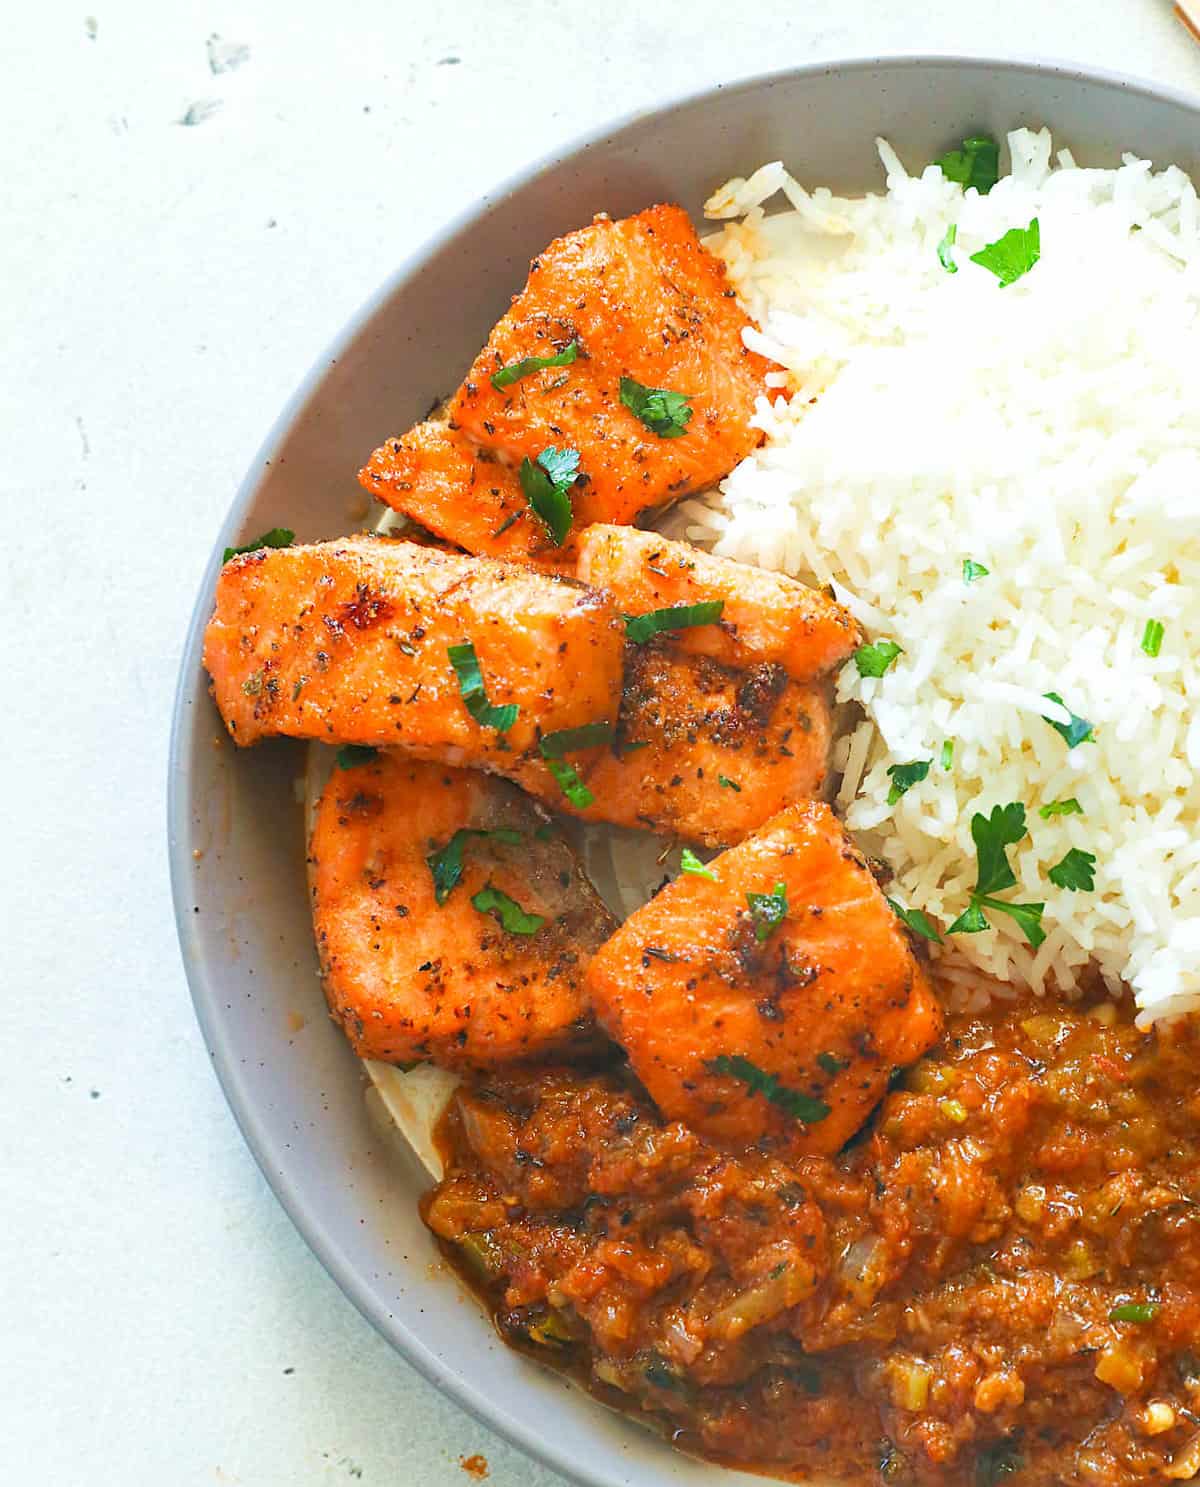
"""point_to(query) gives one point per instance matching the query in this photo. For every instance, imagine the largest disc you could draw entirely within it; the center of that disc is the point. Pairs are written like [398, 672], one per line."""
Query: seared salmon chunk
[775, 997]
[440, 479]
[452, 925]
[763, 616]
[653, 385]
[701, 751]
[370, 640]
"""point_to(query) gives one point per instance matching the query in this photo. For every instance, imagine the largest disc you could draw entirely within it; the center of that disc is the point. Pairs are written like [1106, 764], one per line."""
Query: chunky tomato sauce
[999, 1277]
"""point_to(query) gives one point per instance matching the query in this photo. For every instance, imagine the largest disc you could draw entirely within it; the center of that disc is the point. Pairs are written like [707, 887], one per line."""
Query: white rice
[1050, 431]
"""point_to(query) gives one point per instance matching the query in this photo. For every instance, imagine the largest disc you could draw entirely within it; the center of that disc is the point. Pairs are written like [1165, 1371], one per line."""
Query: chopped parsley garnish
[917, 921]
[976, 164]
[546, 482]
[727, 784]
[515, 370]
[567, 740]
[446, 864]
[993, 835]
[948, 755]
[554, 745]
[474, 693]
[945, 258]
[640, 627]
[570, 784]
[1075, 872]
[973, 570]
[276, 537]
[1068, 807]
[804, 1107]
[1077, 731]
[349, 756]
[905, 776]
[690, 863]
[874, 659]
[1013, 255]
[1134, 1311]
[1027, 916]
[831, 1063]
[971, 921]
[664, 413]
[512, 917]
[768, 911]
[1152, 637]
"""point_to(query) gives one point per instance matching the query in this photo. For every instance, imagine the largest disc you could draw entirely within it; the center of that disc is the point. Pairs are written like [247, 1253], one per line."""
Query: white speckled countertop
[165, 287]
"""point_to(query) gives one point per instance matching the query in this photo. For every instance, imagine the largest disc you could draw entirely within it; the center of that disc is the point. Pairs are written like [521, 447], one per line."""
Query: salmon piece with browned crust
[700, 751]
[780, 1015]
[405, 858]
[764, 616]
[440, 479]
[350, 642]
[641, 299]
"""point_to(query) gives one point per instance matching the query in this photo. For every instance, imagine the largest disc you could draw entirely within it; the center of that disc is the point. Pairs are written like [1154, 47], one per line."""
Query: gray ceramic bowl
[235, 827]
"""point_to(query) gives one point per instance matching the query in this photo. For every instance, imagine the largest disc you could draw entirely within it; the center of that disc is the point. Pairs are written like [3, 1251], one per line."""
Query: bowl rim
[237, 1088]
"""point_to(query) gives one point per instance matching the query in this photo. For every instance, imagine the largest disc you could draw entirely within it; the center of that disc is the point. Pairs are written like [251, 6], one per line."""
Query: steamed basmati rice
[1050, 431]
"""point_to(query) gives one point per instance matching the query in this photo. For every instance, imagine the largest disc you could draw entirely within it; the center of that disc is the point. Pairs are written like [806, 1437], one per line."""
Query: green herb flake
[690, 863]
[276, 537]
[640, 627]
[446, 864]
[1027, 916]
[831, 1063]
[803, 1107]
[727, 784]
[567, 778]
[948, 755]
[349, 756]
[546, 482]
[875, 659]
[905, 776]
[1077, 731]
[515, 370]
[768, 911]
[1152, 637]
[664, 413]
[918, 922]
[993, 835]
[976, 164]
[1140, 1312]
[1076, 872]
[474, 693]
[569, 740]
[945, 257]
[512, 917]
[1012, 256]
[973, 570]
[971, 921]
[1068, 807]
